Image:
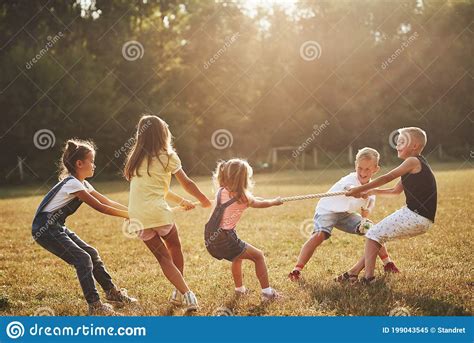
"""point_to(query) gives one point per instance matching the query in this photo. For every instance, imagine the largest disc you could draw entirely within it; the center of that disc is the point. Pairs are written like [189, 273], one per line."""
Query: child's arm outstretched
[264, 203]
[173, 197]
[396, 190]
[97, 205]
[190, 187]
[408, 166]
[103, 199]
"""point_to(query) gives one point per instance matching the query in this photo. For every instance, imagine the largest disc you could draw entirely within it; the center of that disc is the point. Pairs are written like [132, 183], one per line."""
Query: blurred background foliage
[256, 85]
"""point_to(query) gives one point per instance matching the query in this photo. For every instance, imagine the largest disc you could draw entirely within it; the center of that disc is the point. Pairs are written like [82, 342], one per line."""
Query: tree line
[232, 78]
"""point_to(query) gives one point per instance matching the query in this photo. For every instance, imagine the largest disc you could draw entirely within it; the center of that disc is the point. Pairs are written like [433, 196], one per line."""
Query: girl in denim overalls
[49, 230]
[234, 179]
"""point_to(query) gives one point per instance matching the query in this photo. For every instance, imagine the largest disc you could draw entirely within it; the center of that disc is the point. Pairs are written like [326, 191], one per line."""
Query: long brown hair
[235, 175]
[151, 139]
[74, 150]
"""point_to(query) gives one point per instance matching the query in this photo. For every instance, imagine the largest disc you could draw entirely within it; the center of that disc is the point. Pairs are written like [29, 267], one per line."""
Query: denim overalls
[220, 243]
[50, 232]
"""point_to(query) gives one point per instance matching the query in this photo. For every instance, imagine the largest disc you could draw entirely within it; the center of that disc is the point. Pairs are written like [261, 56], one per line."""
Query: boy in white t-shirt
[341, 212]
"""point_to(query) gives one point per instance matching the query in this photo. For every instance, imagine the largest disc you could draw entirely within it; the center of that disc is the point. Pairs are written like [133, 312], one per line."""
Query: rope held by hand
[312, 196]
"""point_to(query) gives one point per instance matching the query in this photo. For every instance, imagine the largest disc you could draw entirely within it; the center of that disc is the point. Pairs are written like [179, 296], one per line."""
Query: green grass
[436, 276]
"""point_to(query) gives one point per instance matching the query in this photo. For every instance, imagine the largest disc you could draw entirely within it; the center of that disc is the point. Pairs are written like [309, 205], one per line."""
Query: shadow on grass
[376, 300]
[231, 307]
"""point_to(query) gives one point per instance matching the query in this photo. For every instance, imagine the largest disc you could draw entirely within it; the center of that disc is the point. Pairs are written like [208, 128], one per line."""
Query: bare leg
[383, 253]
[357, 268]
[256, 255]
[237, 272]
[169, 268]
[309, 247]
[173, 244]
[371, 250]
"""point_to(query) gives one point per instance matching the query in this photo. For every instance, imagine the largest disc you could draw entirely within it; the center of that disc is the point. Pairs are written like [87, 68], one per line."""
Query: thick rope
[312, 196]
[285, 199]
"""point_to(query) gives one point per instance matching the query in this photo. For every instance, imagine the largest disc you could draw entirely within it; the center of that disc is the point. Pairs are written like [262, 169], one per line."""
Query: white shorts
[147, 234]
[403, 223]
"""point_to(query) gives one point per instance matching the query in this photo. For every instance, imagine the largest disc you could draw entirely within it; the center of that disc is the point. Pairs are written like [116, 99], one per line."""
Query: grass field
[436, 278]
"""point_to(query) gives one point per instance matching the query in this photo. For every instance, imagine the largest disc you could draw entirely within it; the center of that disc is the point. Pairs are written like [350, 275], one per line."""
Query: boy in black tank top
[418, 183]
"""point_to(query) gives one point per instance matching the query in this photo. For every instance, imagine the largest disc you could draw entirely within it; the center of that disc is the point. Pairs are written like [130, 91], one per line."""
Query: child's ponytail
[219, 175]
[73, 151]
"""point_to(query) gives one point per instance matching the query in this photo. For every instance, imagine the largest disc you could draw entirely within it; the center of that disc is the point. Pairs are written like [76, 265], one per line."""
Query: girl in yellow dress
[149, 166]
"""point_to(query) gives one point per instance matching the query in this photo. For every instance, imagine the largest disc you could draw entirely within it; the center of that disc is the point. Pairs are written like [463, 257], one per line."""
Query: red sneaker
[390, 267]
[294, 275]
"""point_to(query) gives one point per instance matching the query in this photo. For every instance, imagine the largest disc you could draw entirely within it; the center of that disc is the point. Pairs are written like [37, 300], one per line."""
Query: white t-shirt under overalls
[65, 194]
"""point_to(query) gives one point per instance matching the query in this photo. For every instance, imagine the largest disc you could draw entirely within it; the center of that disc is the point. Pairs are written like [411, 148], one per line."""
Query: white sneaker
[176, 298]
[241, 292]
[190, 301]
[273, 295]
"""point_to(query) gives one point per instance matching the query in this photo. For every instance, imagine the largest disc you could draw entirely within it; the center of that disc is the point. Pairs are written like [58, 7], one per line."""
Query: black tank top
[420, 191]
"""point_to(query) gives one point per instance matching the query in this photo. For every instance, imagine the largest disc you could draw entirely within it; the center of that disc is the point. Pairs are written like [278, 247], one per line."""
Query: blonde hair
[415, 133]
[368, 153]
[235, 175]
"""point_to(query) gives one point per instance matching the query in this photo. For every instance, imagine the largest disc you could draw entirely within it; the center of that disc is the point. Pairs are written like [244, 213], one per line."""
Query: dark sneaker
[346, 277]
[390, 267]
[367, 281]
[119, 297]
[294, 275]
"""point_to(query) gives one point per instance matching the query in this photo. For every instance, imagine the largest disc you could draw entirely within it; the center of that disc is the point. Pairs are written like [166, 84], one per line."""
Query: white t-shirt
[342, 203]
[64, 195]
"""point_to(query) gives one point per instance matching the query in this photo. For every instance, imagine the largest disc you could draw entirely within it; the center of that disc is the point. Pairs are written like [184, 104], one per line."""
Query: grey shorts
[344, 221]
